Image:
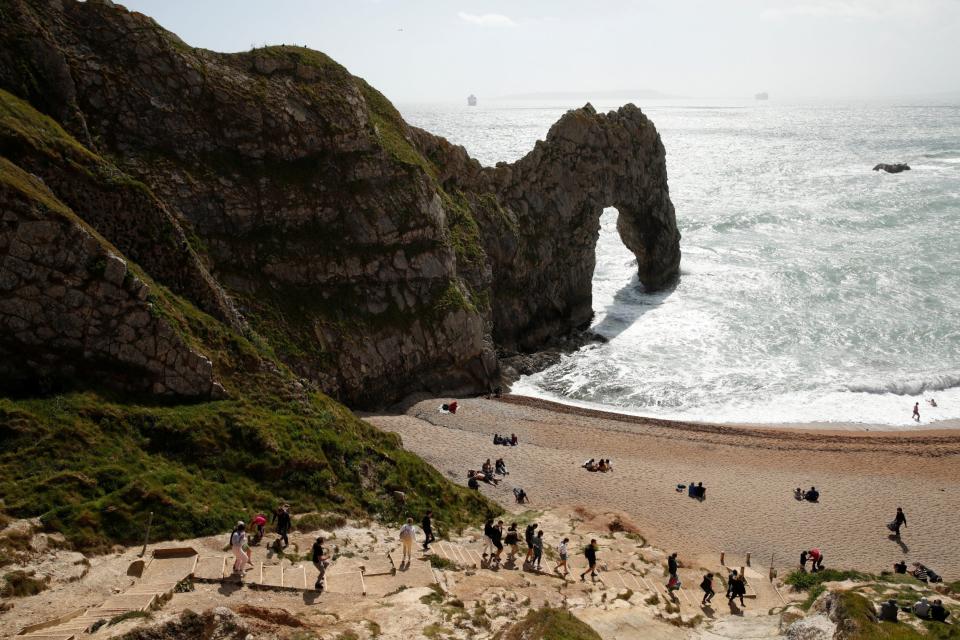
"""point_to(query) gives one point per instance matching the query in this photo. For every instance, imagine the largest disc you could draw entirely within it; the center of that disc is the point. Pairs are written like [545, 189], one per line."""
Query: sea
[812, 288]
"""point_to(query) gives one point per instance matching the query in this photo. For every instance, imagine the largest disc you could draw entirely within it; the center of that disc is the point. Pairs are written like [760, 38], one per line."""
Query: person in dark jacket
[528, 535]
[738, 589]
[590, 553]
[672, 564]
[900, 520]
[282, 517]
[707, 586]
[888, 611]
[427, 525]
[938, 612]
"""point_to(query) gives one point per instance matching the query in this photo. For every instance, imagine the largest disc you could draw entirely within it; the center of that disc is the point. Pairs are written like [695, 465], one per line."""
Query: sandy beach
[750, 474]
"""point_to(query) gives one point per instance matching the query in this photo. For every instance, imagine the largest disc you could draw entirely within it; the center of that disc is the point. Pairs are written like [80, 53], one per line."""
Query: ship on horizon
[763, 95]
[471, 100]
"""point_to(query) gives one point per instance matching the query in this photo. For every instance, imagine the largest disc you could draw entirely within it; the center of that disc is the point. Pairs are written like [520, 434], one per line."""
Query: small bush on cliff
[549, 624]
[803, 581]
[19, 584]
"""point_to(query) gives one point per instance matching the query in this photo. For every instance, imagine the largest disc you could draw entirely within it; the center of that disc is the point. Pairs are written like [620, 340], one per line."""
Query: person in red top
[452, 407]
[259, 521]
[817, 557]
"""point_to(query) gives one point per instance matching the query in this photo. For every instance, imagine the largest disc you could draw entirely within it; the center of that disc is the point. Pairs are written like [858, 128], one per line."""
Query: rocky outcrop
[71, 307]
[288, 198]
[892, 168]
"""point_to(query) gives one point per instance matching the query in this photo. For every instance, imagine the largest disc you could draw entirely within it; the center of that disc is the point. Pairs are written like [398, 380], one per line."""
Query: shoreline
[750, 474]
[937, 427]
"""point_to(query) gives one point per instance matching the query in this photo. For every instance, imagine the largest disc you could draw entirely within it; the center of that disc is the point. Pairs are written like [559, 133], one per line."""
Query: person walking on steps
[708, 592]
[528, 535]
[282, 517]
[238, 538]
[427, 525]
[900, 520]
[321, 561]
[672, 564]
[738, 589]
[537, 550]
[562, 551]
[488, 538]
[408, 533]
[590, 553]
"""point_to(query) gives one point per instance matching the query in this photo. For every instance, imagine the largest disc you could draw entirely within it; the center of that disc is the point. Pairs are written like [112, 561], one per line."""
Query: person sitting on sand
[513, 440]
[472, 480]
[590, 465]
[888, 611]
[812, 496]
[487, 467]
[501, 466]
[497, 439]
[900, 567]
[452, 407]
[602, 465]
[798, 493]
[938, 612]
[701, 492]
[921, 608]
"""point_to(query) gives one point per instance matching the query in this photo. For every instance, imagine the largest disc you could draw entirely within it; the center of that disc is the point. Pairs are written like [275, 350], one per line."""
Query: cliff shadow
[629, 304]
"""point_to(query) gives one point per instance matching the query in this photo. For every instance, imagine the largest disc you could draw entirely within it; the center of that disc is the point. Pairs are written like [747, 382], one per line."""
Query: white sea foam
[812, 288]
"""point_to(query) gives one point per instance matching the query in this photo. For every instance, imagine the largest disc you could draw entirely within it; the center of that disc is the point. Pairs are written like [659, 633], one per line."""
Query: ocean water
[812, 288]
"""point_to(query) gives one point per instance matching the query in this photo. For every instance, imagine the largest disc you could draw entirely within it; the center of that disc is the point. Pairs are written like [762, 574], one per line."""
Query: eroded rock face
[375, 259]
[69, 306]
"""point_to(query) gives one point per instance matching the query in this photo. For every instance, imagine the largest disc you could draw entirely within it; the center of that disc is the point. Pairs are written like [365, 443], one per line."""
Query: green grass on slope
[549, 624]
[93, 467]
[858, 622]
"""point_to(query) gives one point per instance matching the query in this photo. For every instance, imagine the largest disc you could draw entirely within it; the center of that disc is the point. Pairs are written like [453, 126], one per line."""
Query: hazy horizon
[443, 51]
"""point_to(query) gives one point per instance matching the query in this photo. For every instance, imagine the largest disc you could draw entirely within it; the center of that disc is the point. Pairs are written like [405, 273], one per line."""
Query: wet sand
[749, 472]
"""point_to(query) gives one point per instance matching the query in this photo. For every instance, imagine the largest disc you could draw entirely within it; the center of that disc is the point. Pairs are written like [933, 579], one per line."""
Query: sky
[443, 50]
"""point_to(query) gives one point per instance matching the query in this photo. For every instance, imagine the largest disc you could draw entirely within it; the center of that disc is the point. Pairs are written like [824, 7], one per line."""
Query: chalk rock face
[69, 305]
[289, 200]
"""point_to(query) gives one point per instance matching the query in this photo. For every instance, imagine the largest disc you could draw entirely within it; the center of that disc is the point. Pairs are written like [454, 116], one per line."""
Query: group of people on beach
[810, 496]
[601, 465]
[512, 441]
[488, 473]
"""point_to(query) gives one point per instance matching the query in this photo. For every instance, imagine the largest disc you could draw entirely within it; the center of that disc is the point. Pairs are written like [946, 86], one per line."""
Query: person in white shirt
[562, 551]
[408, 534]
[237, 540]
